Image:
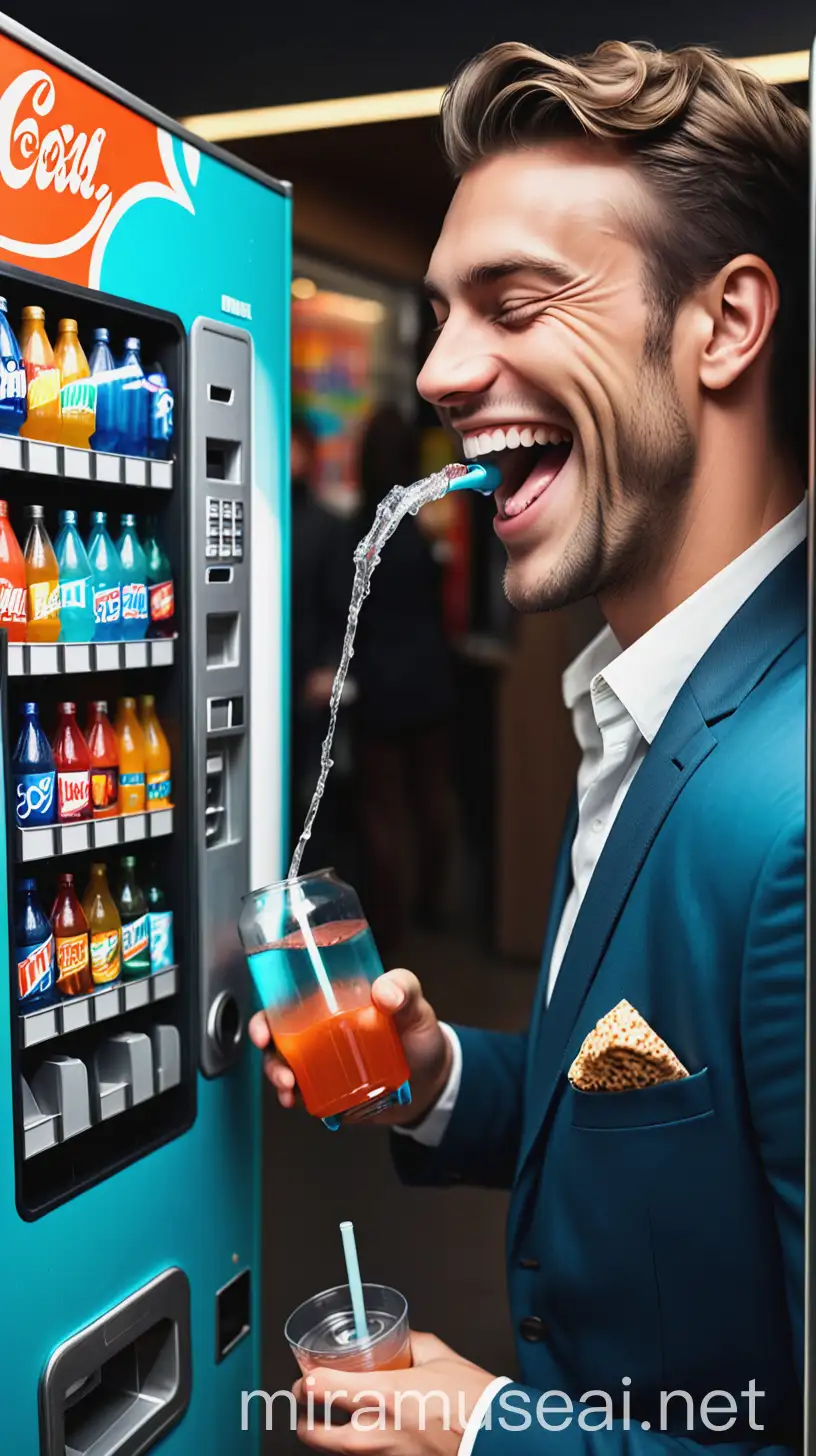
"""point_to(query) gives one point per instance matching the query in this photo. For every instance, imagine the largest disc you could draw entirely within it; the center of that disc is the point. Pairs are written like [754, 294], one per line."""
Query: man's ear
[741, 304]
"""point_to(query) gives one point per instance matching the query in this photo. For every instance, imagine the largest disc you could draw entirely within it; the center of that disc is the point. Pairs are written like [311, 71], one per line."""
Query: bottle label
[108, 604]
[72, 955]
[12, 381]
[35, 799]
[74, 794]
[105, 956]
[135, 945]
[134, 601]
[131, 781]
[78, 398]
[159, 786]
[74, 593]
[43, 600]
[12, 603]
[35, 972]
[104, 788]
[162, 602]
[43, 386]
[162, 951]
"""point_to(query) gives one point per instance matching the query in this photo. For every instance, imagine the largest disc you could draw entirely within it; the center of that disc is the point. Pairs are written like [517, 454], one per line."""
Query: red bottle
[103, 746]
[71, 935]
[12, 581]
[73, 764]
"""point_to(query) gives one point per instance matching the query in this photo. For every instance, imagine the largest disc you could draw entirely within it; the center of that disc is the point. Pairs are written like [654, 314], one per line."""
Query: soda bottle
[160, 414]
[35, 777]
[73, 764]
[12, 579]
[133, 398]
[42, 379]
[159, 584]
[34, 950]
[42, 581]
[71, 937]
[135, 614]
[106, 569]
[132, 907]
[77, 390]
[12, 378]
[104, 926]
[162, 950]
[104, 751]
[106, 378]
[76, 583]
[131, 758]
[157, 756]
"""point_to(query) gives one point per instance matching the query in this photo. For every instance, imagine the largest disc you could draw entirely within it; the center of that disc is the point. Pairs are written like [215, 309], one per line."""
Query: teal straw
[354, 1280]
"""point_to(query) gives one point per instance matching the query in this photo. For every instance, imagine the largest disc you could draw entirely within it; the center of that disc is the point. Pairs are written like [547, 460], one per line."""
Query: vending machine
[129, 1100]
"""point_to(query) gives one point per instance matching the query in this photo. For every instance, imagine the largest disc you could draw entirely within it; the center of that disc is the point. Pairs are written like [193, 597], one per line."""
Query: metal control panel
[220, 496]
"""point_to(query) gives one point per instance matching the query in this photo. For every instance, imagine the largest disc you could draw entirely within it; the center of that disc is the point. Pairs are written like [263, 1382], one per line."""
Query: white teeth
[498, 440]
[485, 444]
[513, 438]
[527, 437]
[542, 436]
[470, 447]
[554, 437]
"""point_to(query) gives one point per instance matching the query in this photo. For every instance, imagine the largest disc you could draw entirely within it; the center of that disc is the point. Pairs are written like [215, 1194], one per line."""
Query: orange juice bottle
[42, 379]
[77, 391]
[131, 758]
[157, 756]
[42, 581]
[105, 927]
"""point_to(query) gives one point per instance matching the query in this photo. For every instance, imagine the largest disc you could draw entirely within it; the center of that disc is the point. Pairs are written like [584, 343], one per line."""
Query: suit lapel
[562, 883]
[765, 627]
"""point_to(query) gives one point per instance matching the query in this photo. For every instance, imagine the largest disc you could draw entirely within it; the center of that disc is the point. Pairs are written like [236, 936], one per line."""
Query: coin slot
[224, 460]
[219, 394]
[219, 575]
[223, 648]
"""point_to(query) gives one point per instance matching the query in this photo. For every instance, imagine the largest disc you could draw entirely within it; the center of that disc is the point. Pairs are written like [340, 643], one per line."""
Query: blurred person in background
[322, 570]
[404, 677]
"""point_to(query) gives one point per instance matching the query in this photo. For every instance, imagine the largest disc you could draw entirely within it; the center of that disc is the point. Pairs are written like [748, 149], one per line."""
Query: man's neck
[719, 523]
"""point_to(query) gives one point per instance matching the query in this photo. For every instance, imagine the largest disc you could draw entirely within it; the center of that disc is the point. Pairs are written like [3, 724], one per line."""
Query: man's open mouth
[528, 456]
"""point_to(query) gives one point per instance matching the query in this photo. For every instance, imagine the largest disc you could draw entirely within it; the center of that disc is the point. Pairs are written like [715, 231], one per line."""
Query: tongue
[541, 475]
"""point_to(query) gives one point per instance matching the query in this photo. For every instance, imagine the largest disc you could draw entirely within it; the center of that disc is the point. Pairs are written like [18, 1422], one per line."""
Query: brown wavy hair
[723, 155]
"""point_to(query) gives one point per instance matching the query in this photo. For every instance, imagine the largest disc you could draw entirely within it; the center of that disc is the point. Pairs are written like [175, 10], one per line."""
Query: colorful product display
[35, 951]
[13, 614]
[42, 581]
[133, 911]
[58, 395]
[159, 783]
[70, 929]
[73, 764]
[104, 751]
[34, 773]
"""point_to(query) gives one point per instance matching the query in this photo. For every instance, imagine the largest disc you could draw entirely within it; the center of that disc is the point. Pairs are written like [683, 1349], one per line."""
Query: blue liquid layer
[284, 974]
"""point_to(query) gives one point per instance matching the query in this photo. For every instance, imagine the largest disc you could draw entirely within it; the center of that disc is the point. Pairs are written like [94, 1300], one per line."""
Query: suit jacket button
[533, 1329]
[529, 1264]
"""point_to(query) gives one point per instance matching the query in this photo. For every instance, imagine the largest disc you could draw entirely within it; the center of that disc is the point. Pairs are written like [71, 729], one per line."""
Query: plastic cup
[321, 1331]
[313, 960]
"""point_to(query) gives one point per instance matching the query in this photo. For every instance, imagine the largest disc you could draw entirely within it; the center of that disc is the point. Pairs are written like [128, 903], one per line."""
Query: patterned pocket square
[623, 1053]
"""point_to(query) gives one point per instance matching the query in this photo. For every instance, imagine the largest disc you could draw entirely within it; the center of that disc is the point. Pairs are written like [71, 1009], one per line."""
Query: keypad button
[532, 1329]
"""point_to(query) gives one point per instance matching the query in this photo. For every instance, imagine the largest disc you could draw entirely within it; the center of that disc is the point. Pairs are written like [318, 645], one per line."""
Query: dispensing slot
[219, 394]
[232, 1314]
[219, 575]
[224, 714]
[224, 460]
[215, 812]
[115, 1388]
[223, 648]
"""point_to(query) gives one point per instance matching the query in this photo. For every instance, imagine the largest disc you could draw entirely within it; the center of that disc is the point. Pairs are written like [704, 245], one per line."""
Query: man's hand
[427, 1049]
[418, 1412]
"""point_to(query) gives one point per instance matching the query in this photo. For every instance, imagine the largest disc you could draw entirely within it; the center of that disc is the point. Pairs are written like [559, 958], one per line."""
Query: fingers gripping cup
[313, 961]
[322, 1331]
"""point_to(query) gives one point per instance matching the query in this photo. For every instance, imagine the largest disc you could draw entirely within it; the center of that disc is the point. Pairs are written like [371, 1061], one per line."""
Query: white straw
[300, 910]
[354, 1280]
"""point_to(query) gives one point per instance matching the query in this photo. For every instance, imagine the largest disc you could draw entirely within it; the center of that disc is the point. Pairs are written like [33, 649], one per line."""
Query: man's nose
[454, 372]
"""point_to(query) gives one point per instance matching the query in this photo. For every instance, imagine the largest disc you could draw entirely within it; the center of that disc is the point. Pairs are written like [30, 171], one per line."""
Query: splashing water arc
[399, 502]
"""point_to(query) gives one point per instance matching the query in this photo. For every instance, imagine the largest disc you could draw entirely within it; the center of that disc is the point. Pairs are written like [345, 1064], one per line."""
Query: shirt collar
[647, 677]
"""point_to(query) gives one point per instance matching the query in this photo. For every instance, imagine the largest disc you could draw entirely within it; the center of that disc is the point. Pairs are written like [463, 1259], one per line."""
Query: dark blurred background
[454, 758]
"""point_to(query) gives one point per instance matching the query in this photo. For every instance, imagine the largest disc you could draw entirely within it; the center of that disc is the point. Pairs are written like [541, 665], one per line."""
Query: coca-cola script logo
[72, 163]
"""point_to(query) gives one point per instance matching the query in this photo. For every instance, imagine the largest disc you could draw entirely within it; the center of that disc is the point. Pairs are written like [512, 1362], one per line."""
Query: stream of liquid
[401, 501]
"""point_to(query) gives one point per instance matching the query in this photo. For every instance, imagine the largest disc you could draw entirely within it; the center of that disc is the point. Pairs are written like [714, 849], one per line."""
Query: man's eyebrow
[483, 274]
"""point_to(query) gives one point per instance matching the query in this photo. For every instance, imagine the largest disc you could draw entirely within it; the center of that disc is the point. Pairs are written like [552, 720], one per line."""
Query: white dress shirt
[618, 701]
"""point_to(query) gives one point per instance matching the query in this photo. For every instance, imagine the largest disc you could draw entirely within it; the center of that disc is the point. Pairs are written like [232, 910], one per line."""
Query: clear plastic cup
[321, 1331]
[313, 960]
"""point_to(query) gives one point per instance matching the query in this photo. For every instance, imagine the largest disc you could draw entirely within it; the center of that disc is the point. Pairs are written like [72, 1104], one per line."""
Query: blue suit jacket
[658, 1234]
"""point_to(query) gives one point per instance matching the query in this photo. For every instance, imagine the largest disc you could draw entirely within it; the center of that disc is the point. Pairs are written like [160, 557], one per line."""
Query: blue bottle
[132, 402]
[106, 570]
[34, 773]
[108, 388]
[160, 417]
[135, 606]
[76, 583]
[13, 410]
[35, 951]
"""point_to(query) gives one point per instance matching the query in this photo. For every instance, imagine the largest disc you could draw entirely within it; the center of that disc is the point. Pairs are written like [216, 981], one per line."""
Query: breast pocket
[644, 1107]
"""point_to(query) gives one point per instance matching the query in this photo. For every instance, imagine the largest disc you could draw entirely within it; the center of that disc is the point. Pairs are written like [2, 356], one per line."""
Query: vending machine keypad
[225, 529]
